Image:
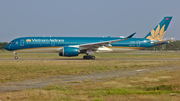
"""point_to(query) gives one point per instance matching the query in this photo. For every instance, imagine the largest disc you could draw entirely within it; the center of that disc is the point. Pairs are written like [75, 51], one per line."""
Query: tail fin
[159, 30]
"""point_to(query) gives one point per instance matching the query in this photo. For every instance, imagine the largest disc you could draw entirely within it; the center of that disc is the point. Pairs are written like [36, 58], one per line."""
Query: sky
[86, 18]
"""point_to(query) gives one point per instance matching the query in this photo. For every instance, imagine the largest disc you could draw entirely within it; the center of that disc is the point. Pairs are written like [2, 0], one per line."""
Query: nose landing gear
[16, 57]
[89, 57]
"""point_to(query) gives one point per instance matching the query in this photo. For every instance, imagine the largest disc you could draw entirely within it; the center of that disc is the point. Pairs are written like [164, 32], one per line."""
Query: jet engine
[69, 51]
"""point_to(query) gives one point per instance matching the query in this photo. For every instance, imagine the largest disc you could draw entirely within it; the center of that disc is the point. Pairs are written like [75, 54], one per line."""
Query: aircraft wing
[100, 44]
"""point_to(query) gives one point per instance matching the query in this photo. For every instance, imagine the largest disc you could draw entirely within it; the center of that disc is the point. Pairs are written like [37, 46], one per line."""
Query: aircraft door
[22, 42]
[138, 43]
[52, 43]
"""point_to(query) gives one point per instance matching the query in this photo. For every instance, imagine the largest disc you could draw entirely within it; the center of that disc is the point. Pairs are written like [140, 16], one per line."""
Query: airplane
[73, 46]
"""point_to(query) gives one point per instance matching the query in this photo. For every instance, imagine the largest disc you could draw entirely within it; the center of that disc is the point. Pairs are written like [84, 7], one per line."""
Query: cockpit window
[12, 42]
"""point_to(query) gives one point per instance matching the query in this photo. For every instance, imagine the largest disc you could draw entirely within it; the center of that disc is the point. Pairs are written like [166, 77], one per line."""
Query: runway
[80, 59]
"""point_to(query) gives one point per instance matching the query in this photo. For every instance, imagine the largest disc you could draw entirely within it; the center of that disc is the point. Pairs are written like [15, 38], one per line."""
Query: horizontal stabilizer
[163, 41]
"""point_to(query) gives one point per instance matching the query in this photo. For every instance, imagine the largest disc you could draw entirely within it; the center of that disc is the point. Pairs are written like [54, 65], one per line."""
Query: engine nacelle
[69, 51]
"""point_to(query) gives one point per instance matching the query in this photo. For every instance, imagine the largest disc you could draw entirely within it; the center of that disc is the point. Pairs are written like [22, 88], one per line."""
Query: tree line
[3, 44]
[175, 45]
[170, 46]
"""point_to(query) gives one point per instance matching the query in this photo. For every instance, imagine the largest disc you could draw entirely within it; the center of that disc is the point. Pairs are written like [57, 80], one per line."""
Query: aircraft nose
[7, 47]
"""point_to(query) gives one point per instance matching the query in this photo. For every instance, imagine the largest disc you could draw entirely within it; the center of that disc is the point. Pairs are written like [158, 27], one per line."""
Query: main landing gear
[88, 57]
[16, 57]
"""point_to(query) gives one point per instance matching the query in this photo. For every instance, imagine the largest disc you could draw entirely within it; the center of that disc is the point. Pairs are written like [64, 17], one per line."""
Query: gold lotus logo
[157, 34]
[28, 40]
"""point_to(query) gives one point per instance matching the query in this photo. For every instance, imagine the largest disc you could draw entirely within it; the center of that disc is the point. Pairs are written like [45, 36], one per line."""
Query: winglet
[130, 36]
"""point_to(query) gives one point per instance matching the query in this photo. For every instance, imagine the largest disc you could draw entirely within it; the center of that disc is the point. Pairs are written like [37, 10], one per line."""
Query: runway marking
[140, 70]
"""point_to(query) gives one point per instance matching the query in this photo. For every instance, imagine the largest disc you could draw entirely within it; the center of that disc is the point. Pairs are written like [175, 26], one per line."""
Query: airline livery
[73, 46]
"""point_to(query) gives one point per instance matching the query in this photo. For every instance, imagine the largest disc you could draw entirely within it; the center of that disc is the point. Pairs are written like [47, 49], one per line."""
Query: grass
[126, 89]
[156, 86]
[23, 70]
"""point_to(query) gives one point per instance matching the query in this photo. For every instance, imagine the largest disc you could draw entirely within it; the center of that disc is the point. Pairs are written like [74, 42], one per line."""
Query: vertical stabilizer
[158, 32]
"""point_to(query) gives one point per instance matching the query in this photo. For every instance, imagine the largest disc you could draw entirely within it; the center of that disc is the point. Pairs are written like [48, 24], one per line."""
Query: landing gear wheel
[16, 57]
[84, 57]
[92, 57]
[89, 57]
